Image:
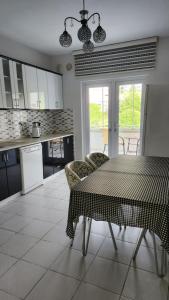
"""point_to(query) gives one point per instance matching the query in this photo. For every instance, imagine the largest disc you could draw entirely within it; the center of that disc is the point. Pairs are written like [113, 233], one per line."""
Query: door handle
[7, 157]
[4, 158]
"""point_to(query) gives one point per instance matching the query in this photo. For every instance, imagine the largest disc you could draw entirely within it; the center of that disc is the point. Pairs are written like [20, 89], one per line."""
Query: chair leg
[139, 243]
[104, 149]
[112, 235]
[85, 243]
[163, 268]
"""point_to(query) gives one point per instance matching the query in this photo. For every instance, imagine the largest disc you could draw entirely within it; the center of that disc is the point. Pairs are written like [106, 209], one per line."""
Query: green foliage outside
[129, 110]
[97, 118]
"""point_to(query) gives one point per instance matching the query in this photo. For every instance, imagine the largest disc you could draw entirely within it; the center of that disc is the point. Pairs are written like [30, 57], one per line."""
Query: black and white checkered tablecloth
[131, 191]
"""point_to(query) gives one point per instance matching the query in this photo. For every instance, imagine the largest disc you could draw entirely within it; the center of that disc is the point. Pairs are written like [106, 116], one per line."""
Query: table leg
[72, 240]
[85, 243]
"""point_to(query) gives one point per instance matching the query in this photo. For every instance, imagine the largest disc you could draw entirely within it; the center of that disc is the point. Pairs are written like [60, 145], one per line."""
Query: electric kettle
[36, 130]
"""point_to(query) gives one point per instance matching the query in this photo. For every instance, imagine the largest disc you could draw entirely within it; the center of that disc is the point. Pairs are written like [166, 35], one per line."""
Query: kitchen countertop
[26, 141]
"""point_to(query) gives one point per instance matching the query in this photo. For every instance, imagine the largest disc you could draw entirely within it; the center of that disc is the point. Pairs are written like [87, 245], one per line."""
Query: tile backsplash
[16, 123]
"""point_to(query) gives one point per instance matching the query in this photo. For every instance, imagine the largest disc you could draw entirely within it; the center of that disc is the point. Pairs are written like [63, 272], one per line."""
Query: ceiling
[39, 23]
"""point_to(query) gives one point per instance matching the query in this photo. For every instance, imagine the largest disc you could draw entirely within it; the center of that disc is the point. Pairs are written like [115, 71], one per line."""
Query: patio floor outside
[128, 141]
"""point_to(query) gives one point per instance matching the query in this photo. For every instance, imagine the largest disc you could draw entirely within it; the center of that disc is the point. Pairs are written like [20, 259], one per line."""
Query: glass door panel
[129, 118]
[19, 85]
[98, 118]
[7, 83]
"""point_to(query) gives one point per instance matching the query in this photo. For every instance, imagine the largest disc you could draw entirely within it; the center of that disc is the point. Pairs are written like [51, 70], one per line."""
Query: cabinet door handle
[4, 157]
[7, 157]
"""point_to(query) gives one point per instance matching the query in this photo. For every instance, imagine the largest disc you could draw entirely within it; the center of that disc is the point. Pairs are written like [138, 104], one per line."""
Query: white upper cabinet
[42, 89]
[11, 77]
[23, 86]
[19, 87]
[1, 98]
[8, 93]
[32, 97]
[55, 91]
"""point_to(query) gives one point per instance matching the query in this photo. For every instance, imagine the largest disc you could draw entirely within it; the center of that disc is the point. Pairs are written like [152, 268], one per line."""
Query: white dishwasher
[31, 167]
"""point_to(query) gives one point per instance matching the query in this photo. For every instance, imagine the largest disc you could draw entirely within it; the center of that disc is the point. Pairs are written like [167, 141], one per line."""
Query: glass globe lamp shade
[84, 33]
[65, 39]
[99, 35]
[88, 47]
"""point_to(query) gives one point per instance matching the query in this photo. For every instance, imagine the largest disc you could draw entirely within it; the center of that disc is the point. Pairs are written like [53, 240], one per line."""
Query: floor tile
[107, 274]
[5, 296]
[61, 194]
[21, 278]
[5, 235]
[99, 227]
[57, 204]
[141, 285]
[43, 253]
[57, 234]
[145, 259]
[31, 211]
[5, 263]
[123, 254]
[34, 200]
[148, 241]
[43, 214]
[37, 228]
[4, 216]
[95, 242]
[72, 263]
[42, 192]
[50, 215]
[16, 223]
[13, 207]
[54, 286]
[18, 245]
[90, 292]
[130, 234]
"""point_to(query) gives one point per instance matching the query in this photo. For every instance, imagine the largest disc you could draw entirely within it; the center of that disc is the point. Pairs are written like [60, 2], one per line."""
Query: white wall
[72, 89]
[16, 50]
[157, 124]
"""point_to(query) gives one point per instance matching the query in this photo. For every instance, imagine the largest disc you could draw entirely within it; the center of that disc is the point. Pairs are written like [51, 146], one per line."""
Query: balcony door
[113, 118]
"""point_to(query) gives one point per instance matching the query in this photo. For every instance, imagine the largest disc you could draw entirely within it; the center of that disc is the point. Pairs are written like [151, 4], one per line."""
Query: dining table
[125, 190]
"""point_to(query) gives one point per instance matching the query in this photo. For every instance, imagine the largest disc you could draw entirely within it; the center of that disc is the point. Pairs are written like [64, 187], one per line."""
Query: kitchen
[25, 88]
[74, 226]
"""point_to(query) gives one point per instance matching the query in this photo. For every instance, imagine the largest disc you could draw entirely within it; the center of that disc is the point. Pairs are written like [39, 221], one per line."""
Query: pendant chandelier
[84, 33]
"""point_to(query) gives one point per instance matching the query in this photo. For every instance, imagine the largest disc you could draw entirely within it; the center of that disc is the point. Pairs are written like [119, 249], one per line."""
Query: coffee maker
[36, 130]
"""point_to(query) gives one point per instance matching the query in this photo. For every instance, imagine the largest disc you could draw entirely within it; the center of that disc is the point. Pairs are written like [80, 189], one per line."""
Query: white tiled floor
[36, 262]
